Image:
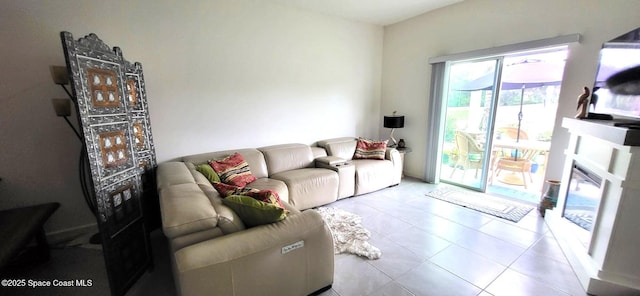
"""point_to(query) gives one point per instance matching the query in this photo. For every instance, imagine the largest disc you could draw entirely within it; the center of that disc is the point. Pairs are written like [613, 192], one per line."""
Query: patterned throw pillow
[265, 195]
[253, 212]
[226, 189]
[233, 170]
[367, 149]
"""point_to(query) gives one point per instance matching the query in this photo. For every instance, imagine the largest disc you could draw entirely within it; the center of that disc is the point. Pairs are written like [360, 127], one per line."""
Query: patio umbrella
[522, 75]
[525, 74]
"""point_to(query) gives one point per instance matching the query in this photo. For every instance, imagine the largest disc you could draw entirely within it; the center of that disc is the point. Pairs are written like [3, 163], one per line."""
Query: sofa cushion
[208, 172]
[310, 187]
[343, 149]
[173, 173]
[286, 157]
[373, 174]
[186, 209]
[368, 149]
[253, 212]
[233, 170]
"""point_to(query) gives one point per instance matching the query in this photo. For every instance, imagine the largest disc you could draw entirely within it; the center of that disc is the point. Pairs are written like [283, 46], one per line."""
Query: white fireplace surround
[609, 264]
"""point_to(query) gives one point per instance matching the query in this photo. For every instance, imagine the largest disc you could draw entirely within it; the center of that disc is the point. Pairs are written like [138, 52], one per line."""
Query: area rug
[484, 203]
[349, 236]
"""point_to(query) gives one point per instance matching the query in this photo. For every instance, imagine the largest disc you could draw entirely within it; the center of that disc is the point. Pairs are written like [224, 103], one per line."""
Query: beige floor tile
[430, 279]
[472, 267]
[512, 283]
[355, 276]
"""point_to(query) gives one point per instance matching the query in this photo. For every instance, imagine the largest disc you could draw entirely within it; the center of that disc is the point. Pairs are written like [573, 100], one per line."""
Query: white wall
[220, 74]
[480, 24]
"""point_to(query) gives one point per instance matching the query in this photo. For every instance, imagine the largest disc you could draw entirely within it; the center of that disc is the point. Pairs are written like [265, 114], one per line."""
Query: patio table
[526, 150]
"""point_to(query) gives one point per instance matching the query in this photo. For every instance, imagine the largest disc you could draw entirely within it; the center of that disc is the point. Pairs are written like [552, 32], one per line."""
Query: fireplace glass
[583, 198]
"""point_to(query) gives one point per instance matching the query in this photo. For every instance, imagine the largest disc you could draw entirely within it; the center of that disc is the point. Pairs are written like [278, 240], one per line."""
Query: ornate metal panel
[110, 98]
[136, 98]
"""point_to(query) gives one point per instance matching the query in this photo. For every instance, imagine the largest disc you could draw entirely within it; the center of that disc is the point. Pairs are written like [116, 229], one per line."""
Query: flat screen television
[617, 55]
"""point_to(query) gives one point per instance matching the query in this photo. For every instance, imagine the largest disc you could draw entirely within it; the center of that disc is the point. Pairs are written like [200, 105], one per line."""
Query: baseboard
[321, 290]
[69, 234]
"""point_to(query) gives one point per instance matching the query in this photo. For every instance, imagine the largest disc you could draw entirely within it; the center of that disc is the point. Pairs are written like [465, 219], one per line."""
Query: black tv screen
[619, 54]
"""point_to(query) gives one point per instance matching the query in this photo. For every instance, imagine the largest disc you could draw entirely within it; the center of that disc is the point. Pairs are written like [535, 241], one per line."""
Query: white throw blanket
[348, 234]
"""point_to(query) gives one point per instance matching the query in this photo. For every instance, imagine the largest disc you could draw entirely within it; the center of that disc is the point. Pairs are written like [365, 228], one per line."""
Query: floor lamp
[62, 107]
[393, 122]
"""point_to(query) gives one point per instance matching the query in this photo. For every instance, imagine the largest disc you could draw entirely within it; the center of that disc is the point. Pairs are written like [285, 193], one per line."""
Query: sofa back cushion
[184, 206]
[280, 158]
[254, 158]
[343, 148]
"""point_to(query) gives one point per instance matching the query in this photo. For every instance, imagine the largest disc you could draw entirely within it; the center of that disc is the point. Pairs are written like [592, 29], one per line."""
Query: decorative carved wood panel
[111, 103]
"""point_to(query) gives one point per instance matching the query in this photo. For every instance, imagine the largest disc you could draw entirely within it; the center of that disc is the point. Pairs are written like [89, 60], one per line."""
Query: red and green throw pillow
[226, 189]
[253, 212]
[367, 149]
[254, 207]
[233, 170]
[265, 195]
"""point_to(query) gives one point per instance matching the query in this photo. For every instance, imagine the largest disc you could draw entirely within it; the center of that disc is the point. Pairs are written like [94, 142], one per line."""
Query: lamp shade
[394, 121]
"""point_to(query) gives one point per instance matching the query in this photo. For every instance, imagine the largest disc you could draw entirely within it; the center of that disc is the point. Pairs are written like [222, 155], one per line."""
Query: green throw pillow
[254, 212]
[208, 172]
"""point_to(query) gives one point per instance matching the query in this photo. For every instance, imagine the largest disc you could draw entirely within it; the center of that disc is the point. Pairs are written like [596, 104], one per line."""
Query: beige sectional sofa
[213, 253]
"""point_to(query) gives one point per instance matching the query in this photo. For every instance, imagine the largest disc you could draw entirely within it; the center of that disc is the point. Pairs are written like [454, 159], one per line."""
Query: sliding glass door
[470, 99]
[492, 114]
[496, 120]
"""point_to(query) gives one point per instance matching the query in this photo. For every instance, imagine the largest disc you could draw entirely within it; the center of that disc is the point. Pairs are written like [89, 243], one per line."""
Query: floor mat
[484, 203]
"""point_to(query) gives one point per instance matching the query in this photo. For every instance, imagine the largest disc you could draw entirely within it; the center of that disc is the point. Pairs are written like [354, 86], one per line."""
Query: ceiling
[379, 12]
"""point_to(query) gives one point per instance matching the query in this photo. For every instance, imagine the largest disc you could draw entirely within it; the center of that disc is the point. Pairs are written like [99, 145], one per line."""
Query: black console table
[18, 227]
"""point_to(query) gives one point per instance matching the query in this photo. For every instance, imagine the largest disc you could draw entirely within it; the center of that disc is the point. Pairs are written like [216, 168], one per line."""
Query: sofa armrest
[323, 162]
[394, 155]
[254, 261]
[346, 173]
[318, 152]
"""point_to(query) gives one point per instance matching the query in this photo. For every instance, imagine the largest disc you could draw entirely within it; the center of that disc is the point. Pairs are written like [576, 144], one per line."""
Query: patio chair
[513, 160]
[512, 133]
[469, 153]
[520, 164]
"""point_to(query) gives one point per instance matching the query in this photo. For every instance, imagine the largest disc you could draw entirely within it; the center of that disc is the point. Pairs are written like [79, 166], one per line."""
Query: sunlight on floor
[531, 194]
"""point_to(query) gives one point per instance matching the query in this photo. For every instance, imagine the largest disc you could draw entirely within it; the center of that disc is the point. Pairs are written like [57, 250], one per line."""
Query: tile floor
[431, 247]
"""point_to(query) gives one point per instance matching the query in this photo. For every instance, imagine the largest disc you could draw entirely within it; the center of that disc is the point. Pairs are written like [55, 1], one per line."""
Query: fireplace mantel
[605, 130]
[609, 262]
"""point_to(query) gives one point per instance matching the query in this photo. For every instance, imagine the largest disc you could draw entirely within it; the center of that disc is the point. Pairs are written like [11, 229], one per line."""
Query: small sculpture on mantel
[583, 103]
